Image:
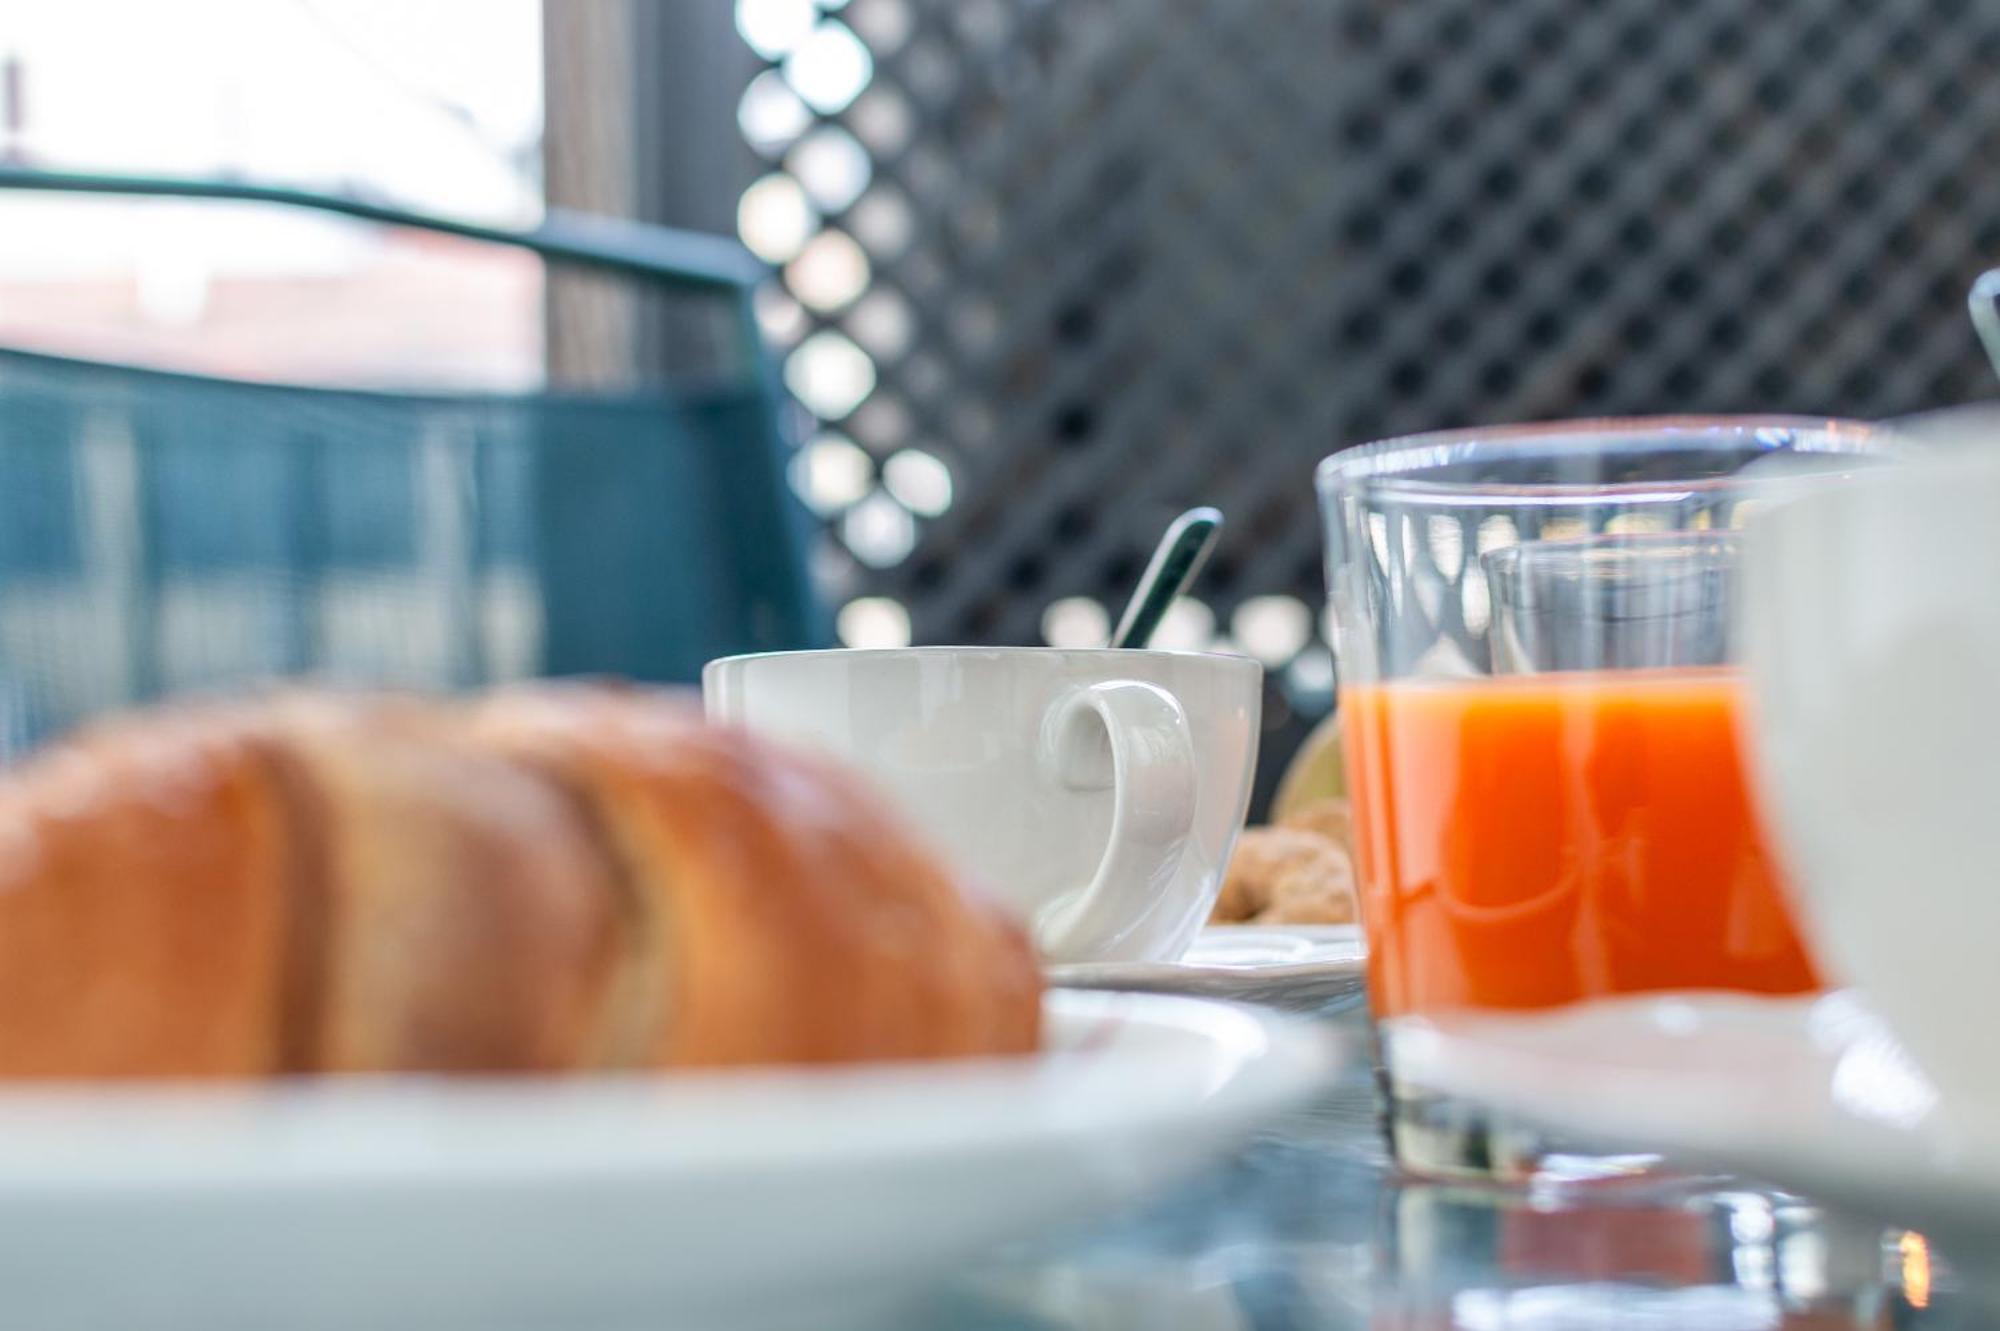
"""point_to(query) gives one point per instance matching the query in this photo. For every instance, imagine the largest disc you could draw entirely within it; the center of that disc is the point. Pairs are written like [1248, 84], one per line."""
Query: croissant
[551, 879]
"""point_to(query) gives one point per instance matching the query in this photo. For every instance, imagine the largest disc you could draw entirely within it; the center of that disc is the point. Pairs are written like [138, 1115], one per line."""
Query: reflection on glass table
[1307, 1228]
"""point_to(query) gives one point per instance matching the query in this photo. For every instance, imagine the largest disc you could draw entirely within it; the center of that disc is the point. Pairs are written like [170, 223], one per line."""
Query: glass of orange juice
[1539, 714]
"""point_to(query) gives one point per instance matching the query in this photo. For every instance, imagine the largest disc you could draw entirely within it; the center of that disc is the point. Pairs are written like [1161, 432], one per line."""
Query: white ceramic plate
[1299, 967]
[1814, 1094]
[748, 1199]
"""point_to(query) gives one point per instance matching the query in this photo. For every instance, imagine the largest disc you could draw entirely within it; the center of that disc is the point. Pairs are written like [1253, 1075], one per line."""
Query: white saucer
[1813, 1094]
[781, 1197]
[1308, 968]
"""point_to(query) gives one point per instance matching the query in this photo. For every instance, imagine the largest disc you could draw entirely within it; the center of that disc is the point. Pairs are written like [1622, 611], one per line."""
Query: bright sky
[415, 97]
[430, 102]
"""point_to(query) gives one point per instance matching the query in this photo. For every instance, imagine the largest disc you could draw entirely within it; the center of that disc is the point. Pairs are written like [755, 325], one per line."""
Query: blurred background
[1042, 274]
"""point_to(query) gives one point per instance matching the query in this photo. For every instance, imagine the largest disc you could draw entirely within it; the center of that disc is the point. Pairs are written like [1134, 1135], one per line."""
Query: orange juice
[1531, 840]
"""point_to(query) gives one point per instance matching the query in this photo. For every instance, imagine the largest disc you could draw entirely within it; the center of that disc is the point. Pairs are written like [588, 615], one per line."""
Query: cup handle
[1133, 738]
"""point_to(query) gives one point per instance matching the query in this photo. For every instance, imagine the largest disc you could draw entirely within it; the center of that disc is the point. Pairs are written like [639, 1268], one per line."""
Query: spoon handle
[1175, 561]
[1985, 303]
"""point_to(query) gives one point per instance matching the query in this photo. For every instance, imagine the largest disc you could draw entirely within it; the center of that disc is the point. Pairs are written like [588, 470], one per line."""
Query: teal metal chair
[166, 532]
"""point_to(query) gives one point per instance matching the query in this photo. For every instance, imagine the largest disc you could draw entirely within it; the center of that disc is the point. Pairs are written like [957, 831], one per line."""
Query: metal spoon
[1985, 302]
[1175, 561]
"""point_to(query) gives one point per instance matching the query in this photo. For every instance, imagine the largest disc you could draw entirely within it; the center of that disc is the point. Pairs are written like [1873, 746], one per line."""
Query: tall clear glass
[1539, 709]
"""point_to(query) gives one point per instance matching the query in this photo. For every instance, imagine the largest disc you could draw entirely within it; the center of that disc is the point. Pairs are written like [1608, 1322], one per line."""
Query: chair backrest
[164, 532]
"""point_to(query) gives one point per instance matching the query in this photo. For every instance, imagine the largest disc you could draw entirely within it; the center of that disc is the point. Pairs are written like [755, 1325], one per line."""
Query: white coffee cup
[1870, 628]
[1097, 791]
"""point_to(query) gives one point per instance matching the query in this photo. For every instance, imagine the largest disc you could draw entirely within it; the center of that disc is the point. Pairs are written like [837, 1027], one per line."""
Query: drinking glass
[1539, 715]
[1628, 602]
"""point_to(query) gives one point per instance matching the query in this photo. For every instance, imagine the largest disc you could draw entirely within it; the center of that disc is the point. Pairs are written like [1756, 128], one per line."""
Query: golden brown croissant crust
[555, 878]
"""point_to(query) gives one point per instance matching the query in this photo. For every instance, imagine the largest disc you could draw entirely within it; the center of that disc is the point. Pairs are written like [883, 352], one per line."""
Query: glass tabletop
[1308, 1228]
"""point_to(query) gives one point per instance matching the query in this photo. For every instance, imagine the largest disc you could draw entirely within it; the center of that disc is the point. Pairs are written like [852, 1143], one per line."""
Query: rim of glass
[984, 649]
[1394, 466]
[1608, 547]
